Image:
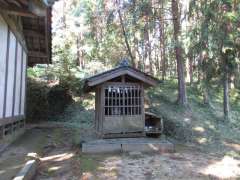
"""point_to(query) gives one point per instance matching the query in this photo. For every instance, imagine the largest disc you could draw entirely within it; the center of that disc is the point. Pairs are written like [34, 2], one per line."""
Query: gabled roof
[97, 79]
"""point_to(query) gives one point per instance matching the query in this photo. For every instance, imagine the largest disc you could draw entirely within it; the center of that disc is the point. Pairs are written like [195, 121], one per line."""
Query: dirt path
[13, 159]
[66, 164]
[183, 165]
[60, 160]
[57, 162]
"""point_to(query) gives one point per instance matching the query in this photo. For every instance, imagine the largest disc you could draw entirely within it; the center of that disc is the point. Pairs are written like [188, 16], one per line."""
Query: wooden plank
[143, 108]
[14, 2]
[48, 32]
[102, 101]
[126, 135]
[17, 11]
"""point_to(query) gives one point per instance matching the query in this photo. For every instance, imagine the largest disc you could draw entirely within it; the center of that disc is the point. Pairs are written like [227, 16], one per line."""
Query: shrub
[44, 101]
[58, 97]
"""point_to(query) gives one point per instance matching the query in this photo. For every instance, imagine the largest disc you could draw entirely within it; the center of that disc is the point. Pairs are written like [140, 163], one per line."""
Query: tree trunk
[146, 46]
[125, 37]
[162, 41]
[226, 94]
[191, 68]
[135, 40]
[182, 98]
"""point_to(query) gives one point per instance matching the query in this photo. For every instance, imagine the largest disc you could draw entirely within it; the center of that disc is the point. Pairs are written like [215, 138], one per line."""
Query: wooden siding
[13, 62]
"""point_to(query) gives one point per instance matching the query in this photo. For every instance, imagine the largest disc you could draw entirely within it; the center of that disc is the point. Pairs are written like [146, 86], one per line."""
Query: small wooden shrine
[119, 100]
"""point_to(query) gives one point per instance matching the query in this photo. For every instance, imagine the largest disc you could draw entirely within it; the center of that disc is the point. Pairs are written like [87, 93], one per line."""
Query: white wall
[16, 72]
[3, 47]
[10, 80]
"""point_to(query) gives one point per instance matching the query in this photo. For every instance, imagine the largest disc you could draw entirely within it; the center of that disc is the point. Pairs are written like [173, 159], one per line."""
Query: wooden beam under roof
[3, 2]
[33, 33]
[15, 2]
[37, 54]
[16, 10]
[25, 2]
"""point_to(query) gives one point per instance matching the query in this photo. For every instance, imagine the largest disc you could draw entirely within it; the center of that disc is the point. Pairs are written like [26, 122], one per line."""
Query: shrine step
[127, 145]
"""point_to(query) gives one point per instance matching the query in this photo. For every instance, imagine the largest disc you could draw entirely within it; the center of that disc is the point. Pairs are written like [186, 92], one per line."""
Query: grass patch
[89, 163]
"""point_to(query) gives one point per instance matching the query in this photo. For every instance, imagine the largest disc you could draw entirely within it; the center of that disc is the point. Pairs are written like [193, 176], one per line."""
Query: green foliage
[88, 39]
[44, 101]
[38, 71]
[58, 98]
[76, 115]
[37, 103]
[198, 123]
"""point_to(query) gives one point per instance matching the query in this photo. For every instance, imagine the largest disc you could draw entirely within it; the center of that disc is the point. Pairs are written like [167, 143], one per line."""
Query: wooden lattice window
[123, 100]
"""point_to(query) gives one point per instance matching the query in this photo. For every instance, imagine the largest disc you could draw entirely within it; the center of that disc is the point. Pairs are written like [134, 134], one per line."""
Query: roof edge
[100, 78]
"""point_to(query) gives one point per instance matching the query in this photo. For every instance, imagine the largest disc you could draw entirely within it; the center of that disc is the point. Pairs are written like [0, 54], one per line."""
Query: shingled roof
[35, 20]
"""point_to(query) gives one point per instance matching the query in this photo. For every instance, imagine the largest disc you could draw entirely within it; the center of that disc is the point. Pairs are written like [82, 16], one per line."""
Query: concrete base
[127, 145]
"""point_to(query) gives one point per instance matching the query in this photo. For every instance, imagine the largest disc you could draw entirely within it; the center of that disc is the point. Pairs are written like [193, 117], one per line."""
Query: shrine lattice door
[123, 108]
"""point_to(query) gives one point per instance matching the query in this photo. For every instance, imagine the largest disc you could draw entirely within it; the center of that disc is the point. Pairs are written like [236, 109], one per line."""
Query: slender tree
[182, 97]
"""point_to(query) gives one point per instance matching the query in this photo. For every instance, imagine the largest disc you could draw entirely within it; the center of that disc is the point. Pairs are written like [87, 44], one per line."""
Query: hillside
[197, 123]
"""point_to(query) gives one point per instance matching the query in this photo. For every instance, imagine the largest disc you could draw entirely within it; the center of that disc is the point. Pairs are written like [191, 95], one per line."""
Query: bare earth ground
[62, 161]
[182, 165]
[13, 159]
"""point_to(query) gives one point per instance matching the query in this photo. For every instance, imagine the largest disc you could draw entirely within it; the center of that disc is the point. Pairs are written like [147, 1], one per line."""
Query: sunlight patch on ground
[32, 155]
[187, 119]
[201, 140]
[199, 129]
[87, 175]
[110, 167]
[2, 172]
[233, 145]
[226, 168]
[58, 157]
[55, 168]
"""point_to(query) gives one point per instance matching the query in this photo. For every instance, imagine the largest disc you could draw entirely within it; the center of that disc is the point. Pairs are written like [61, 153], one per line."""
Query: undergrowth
[197, 123]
